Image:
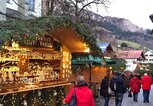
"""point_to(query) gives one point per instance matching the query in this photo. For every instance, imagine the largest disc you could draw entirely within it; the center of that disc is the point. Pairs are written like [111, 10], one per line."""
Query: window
[128, 65]
[31, 4]
[146, 55]
[8, 1]
[151, 55]
[151, 59]
[27, 1]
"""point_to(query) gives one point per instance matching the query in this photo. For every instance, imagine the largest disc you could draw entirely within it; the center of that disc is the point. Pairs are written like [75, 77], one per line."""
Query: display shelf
[45, 59]
[28, 76]
[6, 60]
[35, 88]
[21, 48]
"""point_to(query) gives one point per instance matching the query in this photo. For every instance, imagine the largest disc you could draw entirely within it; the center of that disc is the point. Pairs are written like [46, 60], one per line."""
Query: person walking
[117, 85]
[104, 90]
[84, 96]
[135, 86]
[146, 82]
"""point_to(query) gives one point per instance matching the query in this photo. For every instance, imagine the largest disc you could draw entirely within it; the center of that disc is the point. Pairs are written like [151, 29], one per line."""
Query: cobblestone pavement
[127, 101]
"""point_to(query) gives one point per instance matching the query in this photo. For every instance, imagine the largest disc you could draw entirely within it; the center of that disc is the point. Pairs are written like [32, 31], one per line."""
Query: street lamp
[109, 71]
[118, 46]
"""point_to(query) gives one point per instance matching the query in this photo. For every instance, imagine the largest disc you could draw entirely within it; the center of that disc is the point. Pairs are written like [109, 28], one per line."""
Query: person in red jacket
[84, 96]
[135, 86]
[146, 82]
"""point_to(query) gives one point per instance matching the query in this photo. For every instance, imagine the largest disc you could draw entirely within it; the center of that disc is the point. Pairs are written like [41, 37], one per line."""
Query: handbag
[110, 91]
[129, 94]
[73, 99]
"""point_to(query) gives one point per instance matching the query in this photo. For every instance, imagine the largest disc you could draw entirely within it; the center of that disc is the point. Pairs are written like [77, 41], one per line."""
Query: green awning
[82, 59]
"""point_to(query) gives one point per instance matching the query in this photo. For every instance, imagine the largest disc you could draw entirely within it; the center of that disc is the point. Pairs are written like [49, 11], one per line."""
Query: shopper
[104, 90]
[84, 96]
[135, 86]
[117, 85]
[146, 82]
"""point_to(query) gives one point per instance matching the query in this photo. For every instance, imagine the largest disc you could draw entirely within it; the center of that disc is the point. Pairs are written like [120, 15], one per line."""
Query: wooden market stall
[35, 70]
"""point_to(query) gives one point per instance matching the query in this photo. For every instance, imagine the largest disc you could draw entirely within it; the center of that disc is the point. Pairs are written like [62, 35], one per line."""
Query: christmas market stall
[35, 59]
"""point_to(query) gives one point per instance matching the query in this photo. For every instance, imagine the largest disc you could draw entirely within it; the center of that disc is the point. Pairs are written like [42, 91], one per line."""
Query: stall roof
[105, 46]
[69, 38]
[71, 34]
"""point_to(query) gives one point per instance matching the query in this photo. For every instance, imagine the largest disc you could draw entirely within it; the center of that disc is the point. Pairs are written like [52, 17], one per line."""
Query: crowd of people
[116, 86]
[120, 84]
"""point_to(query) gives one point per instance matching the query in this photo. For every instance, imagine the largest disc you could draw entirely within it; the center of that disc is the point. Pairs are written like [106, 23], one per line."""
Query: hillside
[110, 28]
[107, 28]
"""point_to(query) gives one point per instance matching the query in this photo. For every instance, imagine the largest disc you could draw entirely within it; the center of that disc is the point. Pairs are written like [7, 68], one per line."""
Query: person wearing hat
[146, 82]
[84, 96]
[104, 90]
[117, 85]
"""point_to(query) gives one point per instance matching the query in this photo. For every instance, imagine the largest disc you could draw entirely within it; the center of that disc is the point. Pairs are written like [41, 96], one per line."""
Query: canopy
[82, 59]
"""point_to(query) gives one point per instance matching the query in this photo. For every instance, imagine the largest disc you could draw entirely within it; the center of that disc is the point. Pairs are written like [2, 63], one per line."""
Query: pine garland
[28, 29]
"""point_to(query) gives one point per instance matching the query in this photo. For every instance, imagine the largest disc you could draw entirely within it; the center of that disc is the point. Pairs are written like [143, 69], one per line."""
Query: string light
[52, 98]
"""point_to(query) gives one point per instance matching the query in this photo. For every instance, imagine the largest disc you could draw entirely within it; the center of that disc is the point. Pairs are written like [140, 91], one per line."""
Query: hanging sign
[43, 41]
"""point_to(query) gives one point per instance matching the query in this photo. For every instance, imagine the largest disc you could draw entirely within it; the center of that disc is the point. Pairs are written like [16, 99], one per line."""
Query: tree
[78, 9]
[124, 44]
[81, 7]
[51, 5]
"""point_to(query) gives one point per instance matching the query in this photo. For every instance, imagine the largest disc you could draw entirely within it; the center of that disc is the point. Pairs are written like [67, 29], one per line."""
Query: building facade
[24, 9]
[132, 58]
[149, 57]
[3, 10]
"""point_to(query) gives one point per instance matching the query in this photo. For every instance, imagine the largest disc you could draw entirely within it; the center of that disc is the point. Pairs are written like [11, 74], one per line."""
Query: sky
[137, 11]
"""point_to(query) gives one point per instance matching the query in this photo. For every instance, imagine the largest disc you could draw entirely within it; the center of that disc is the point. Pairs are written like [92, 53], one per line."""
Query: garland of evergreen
[26, 30]
[44, 97]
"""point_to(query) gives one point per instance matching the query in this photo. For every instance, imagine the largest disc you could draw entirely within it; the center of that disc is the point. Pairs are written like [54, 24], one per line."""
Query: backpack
[117, 86]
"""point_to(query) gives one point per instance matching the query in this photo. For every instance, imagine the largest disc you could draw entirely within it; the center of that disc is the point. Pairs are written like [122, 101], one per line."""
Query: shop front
[36, 72]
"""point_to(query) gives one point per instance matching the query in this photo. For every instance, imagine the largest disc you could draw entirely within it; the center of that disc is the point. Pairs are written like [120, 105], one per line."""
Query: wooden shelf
[29, 76]
[9, 60]
[45, 59]
[35, 88]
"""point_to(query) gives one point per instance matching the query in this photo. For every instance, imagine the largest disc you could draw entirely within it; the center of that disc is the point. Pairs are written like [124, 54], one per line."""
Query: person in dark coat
[135, 86]
[117, 85]
[104, 90]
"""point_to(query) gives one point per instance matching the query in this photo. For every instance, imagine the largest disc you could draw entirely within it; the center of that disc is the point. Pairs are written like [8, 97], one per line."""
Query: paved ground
[127, 101]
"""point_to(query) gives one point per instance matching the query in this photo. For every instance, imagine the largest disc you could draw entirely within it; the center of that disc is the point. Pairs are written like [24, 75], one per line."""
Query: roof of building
[104, 46]
[14, 14]
[151, 17]
[132, 54]
[149, 52]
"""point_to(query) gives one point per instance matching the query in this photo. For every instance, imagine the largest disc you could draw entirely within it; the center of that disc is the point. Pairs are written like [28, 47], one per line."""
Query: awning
[83, 59]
